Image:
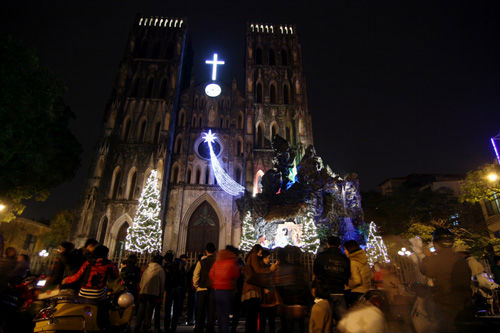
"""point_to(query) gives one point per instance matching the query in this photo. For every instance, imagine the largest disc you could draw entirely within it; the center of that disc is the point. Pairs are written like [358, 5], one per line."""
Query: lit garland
[248, 237]
[375, 247]
[310, 238]
[145, 233]
[223, 179]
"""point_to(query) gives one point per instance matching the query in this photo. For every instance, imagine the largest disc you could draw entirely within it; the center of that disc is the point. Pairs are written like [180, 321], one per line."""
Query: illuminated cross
[214, 64]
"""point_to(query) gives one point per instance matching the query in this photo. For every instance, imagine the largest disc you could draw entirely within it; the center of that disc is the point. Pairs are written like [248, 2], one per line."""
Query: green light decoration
[145, 234]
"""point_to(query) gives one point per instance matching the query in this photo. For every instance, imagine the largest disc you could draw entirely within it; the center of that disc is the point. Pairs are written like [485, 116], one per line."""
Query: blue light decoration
[223, 179]
[494, 141]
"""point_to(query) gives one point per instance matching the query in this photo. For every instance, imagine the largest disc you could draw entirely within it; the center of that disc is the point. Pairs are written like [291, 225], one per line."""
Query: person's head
[169, 256]
[266, 256]
[10, 252]
[90, 245]
[351, 246]
[333, 241]
[65, 247]
[23, 258]
[183, 257]
[233, 249]
[257, 248]
[442, 238]
[157, 258]
[101, 252]
[282, 255]
[132, 259]
[210, 248]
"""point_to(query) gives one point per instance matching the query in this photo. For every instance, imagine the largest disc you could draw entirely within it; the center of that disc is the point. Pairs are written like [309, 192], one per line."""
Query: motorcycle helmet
[443, 237]
[125, 300]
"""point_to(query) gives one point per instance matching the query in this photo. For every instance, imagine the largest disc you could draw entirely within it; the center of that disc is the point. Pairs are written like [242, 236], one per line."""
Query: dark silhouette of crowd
[272, 290]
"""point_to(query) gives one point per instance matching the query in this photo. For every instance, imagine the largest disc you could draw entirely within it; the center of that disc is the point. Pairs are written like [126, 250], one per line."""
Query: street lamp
[492, 177]
[2, 207]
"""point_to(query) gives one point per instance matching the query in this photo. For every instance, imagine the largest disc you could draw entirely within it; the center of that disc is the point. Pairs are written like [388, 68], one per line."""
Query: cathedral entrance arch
[203, 227]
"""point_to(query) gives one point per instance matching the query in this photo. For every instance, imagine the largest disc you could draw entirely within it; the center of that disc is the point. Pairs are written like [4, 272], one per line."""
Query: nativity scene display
[300, 203]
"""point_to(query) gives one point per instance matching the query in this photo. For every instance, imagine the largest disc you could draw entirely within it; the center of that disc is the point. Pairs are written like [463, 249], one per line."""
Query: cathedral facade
[155, 120]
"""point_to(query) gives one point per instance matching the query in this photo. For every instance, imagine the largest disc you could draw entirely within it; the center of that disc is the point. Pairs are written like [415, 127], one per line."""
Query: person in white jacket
[152, 288]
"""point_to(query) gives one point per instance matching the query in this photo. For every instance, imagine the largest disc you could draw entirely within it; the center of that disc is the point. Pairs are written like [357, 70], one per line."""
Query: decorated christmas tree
[376, 250]
[248, 237]
[310, 238]
[145, 233]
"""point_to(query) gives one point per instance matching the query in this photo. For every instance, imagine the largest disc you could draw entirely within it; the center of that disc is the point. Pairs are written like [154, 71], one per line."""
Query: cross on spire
[214, 64]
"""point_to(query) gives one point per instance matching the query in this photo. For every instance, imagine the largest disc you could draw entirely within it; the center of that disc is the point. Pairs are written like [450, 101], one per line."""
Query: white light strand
[310, 238]
[248, 236]
[223, 179]
[145, 233]
[375, 246]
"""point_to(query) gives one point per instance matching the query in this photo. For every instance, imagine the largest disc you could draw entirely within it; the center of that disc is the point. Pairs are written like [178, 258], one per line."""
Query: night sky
[394, 87]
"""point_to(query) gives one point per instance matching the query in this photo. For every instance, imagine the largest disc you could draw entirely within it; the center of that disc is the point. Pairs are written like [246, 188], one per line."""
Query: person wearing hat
[451, 276]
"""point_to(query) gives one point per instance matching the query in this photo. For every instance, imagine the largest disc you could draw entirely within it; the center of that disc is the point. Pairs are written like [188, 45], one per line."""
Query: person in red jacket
[223, 277]
[93, 275]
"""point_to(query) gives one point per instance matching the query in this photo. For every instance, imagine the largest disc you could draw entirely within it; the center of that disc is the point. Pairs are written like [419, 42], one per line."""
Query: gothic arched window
[149, 89]
[163, 88]
[272, 93]
[116, 183]
[156, 133]
[272, 58]
[274, 130]
[135, 88]
[133, 181]
[284, 58]
[142, 130]
[126, 129]
[175, 175]
[258, 56]
[259, 93]
[198, 176]
[188, 176]
[286, 94]
[260, 136]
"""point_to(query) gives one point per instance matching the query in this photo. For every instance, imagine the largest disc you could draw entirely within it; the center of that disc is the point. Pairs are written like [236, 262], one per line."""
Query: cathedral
[155, 119]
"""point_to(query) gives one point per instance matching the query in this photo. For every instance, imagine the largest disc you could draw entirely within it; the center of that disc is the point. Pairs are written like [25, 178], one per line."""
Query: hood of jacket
[359, 256]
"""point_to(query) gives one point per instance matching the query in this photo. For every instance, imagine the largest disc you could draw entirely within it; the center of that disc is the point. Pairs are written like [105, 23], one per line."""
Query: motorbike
[67, 312]
[19, 304]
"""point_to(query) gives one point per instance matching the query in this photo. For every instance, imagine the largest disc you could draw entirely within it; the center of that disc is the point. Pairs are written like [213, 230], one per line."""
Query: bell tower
[275, 91]
[137, 130]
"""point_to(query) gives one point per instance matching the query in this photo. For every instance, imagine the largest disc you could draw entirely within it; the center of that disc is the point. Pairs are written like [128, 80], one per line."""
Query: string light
[223, 179]
[248, 236]
[145, 233]
[375, 246]
[310, 238]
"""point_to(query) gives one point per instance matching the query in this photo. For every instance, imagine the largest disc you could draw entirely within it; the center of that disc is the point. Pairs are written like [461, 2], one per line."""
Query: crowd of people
[343, 293]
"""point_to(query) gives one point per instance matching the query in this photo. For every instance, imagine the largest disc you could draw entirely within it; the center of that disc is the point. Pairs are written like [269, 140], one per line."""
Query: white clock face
[213, 90]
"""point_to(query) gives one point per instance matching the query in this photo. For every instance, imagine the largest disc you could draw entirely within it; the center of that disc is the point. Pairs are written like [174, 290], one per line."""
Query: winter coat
[332, 270]
[361, 277]
[225, 271]
[321, 317]
[153, 280]
[94, 276]
[252, 267]
[451, 276]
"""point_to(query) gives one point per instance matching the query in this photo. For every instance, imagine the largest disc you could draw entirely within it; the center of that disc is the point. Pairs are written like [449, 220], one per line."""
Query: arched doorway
[104, 227]
[120, 240]
[203, 227]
